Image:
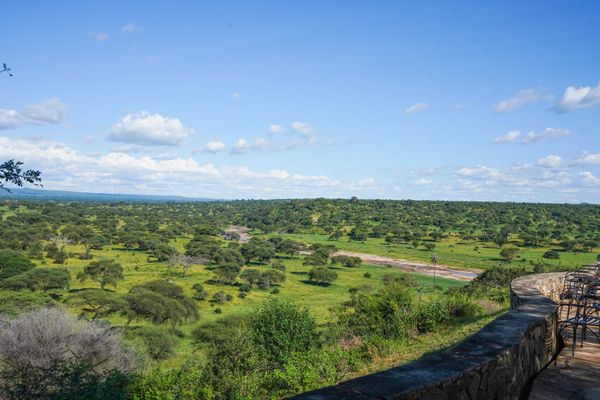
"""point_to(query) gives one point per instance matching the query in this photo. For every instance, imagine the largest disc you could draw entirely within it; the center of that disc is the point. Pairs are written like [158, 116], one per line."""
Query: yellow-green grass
[140, 267]
[452, 252]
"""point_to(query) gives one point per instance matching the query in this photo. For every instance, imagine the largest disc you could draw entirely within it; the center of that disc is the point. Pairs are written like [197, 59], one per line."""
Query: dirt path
[443, 271]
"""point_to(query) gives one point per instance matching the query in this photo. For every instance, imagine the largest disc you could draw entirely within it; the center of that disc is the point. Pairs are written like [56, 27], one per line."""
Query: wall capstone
[498, 362]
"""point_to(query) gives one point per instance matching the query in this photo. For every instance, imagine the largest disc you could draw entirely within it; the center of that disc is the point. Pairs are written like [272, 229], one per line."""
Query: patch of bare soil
[412, 266]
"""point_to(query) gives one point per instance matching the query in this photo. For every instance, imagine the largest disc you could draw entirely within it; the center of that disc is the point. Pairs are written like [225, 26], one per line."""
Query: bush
[322, 275]
[244, 288]
[275, 291]
[15, 303]
[367, 275]
[47, 354]
[199, 292]
[158, 342]
[242, 295]
[312, 369]
[218, 310]
[219, 298]
[281, 328]
[551, 255]
[386, 314]
[441, 309]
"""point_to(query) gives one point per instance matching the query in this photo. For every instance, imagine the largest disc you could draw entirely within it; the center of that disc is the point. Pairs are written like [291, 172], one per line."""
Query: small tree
[99, 303]
[39, 279]
[251, 276]
[160, 302]
[508, 253]
[322, 275]
[104, 272]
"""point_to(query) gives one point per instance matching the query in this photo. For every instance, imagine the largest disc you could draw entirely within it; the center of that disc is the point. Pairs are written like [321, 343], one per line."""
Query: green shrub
[281, 328]
[158, 342]
[385, 314]
[551, 255]
[15, 303]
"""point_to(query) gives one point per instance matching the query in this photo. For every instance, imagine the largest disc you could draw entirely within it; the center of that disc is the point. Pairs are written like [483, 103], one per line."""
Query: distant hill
[63, 195]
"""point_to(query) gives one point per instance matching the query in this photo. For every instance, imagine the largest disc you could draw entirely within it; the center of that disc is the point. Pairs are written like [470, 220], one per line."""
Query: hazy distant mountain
[63, 195]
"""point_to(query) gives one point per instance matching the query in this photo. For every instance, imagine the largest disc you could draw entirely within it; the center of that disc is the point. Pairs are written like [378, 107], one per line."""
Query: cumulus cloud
[422, 182]
[47, 111]
[9, 119]
[212, 147]
[550, 161]
[589, 179]
[50, 111]
[521, 98]
[588, 159]
[99, 36]
[306, 131]
[509, 137]
[242, 145]
[579, 98]
[274, 129]
[415, 108]
[548, 134]
[149, 130]
[63, 167]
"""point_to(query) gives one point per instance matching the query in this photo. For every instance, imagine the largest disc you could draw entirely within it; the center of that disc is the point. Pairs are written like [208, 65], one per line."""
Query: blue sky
[278, 99]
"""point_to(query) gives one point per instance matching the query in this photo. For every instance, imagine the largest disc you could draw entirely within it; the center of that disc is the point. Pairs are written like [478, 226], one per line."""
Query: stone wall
[497, 362]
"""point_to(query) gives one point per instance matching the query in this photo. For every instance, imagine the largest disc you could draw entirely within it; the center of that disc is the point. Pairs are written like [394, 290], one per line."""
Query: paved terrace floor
[573, 377]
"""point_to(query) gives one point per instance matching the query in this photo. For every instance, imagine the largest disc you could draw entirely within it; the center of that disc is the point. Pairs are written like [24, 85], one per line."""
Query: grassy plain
[139, 267]
[452, 252]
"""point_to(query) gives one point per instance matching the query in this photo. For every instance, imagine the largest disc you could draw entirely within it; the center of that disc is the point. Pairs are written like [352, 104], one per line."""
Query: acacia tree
[98, 302]
[11, 172]
[105, 272]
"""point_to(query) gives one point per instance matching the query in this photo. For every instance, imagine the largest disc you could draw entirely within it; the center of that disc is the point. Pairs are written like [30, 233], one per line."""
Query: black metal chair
[586, 315]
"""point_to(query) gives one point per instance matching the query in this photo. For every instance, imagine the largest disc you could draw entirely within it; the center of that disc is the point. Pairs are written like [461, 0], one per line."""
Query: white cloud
[547, 135]
[50, 111]
[509, 137]
[9, 119]
[117, 172]
[521, 98]
[212, 147]
[415, 108]
[588, 159]
[236, 96]
[274, 129]
[149, 130]
[579, 98]
[589, 179]
[422, 182]
[130, 28]
[479, 171]
[550, 161]
[308, 133]
[47, 111]
[278, 173]
[99, 36]
[242, 145]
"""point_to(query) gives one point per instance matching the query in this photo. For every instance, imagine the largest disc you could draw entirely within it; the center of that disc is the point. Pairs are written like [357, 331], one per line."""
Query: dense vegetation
[182, 309]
